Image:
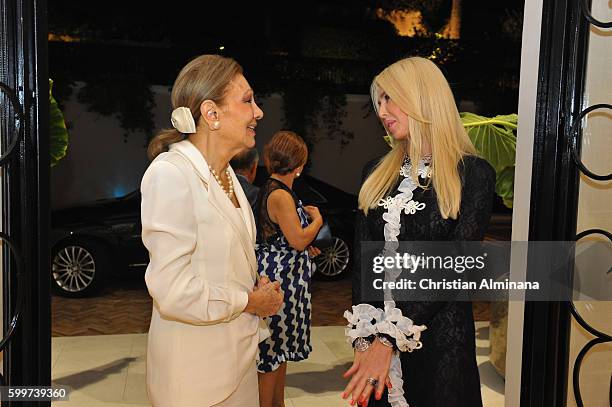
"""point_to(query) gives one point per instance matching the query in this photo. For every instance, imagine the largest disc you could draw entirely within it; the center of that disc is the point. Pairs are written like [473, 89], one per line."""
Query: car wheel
[78, 268]
[333, 260]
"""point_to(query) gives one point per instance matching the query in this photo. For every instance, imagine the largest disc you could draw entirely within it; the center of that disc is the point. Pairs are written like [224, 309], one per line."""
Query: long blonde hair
[203, 78]
[420, 90]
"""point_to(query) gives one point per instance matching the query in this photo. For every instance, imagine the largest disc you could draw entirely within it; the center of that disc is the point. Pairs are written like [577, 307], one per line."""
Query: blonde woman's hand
[373, 363]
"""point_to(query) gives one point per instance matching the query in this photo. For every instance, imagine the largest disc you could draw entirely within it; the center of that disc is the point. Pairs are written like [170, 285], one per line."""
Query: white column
[530, 61]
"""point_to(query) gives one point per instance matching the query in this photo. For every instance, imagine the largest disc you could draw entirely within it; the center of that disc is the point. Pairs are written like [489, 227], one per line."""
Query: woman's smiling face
[240, 113]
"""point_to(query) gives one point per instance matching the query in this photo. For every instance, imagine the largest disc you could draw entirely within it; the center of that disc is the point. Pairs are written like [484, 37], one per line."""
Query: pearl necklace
[230, 191]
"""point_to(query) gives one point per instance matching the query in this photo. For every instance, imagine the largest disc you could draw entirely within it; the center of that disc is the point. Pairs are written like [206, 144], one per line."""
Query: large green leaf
[494, 138]
[58, 134]
[504, 185]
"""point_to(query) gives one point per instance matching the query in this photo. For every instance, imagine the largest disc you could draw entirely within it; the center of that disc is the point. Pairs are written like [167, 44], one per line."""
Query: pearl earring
[216, 124]
[297, 174]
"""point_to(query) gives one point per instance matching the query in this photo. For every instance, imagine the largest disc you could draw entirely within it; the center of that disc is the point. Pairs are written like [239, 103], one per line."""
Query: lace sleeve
[476, 200]
[267, 230]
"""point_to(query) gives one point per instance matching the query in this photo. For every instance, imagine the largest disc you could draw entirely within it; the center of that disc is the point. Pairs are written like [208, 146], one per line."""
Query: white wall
[595, 211]
[101, 164]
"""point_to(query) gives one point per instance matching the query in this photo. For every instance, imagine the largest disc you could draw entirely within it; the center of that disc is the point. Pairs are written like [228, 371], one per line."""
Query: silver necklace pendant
[423, 171]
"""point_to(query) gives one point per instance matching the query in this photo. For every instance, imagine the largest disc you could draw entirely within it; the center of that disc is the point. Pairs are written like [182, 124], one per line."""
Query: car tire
[333, 261]
[79, 267]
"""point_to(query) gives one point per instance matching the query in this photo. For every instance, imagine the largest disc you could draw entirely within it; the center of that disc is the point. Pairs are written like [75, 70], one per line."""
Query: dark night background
[309, 51]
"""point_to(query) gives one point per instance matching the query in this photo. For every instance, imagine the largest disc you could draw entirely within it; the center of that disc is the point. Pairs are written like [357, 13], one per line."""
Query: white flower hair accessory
[182, 120]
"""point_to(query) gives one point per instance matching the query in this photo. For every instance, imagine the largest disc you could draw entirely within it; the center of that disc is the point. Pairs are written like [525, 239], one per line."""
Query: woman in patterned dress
[285, 229]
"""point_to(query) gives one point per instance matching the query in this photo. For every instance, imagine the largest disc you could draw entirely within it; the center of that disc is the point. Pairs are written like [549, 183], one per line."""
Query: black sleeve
[478, 178]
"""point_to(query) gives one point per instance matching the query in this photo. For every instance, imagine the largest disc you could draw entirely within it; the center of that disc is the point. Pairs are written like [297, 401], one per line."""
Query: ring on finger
[372, 381]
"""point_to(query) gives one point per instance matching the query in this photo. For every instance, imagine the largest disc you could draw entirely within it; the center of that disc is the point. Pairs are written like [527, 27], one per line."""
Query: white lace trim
[395, 394]
[366, 320]
[403, 200]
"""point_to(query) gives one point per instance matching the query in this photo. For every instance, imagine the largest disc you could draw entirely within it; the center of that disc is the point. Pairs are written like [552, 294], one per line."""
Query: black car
[92, 240]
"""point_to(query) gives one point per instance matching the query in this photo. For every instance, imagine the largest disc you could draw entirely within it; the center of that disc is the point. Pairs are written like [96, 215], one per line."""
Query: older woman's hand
[261, 282]
[266, 300]
[374, 363]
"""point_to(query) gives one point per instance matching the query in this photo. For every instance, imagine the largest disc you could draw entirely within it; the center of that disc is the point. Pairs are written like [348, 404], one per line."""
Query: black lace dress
[443, 373]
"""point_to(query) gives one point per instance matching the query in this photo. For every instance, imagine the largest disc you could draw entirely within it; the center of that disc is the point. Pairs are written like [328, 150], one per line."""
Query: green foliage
[58, 134]
[495, 140]
[505, 185]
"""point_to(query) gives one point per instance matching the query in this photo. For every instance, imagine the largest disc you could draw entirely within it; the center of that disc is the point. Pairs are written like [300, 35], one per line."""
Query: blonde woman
[431, 186]
[200, 232]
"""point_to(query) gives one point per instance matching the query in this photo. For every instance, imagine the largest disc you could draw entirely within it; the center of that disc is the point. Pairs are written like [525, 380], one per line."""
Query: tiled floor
[125, 308]
[109, 370]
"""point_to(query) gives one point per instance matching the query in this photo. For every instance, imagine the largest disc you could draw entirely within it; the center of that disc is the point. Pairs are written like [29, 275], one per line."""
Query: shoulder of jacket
[170, 164]
[173, 157]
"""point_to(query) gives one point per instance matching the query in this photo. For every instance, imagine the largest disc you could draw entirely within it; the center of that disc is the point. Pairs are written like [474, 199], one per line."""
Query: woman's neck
[425, 149]
[216, 156]
[286, 179]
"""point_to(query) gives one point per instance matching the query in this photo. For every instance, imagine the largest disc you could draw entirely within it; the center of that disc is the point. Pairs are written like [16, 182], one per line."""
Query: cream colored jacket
[202, 266]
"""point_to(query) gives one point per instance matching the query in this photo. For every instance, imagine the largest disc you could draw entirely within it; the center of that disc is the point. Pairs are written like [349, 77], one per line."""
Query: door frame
[25, 190]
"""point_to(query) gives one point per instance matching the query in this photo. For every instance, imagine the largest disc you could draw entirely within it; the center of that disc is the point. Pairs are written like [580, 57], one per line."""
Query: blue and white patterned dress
[290, 328]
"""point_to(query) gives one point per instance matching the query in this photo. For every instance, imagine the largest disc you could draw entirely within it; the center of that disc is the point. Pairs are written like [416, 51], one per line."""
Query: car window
[309, 195]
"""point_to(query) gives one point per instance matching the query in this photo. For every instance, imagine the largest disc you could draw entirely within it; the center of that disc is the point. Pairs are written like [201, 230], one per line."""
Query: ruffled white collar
[403, 201]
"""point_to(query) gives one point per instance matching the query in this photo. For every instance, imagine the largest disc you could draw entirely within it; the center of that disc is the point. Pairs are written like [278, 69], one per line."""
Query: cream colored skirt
[246, 394]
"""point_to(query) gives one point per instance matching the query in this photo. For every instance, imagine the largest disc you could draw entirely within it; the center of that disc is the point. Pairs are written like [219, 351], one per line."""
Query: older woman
[199, 229]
